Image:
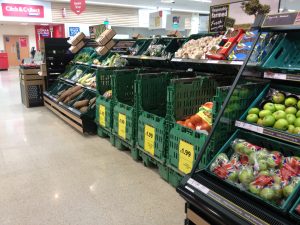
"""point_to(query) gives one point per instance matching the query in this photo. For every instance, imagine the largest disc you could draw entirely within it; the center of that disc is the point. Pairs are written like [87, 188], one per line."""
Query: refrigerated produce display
[253, 177]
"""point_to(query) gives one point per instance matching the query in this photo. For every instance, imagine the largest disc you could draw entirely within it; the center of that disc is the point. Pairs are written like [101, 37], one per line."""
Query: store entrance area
[51, 174]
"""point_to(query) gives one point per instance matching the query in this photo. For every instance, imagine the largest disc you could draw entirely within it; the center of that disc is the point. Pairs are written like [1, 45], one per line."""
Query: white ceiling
[200, 6]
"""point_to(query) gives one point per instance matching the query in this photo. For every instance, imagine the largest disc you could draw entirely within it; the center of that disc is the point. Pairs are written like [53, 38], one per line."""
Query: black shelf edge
[144, 58]
[282, 135]
[227, 205]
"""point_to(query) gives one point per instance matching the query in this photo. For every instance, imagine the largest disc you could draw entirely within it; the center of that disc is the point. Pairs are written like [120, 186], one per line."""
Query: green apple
[298, 104]
[253, 111]
[281, 124]
[288, 189]
[252, 118]
[296, 130]
[233, 176]
[279, 115]
[298, 113]
[246, 176]
[264, 172]
[277, 179]
[260, 122]
[269, 106]
[255, 189]
[278, 97]
[297, 122]
[291, 129]
[263, 165]
[268, 121]
[279, 107]
[238, 148]
[263, 113]
[267, 193]
[277, 191]
[290, 101]
[291, 118]
[270, 161]
[291, 110]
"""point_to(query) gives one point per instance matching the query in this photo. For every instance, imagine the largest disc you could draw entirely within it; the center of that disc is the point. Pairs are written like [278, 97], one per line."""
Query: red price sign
[78, 6]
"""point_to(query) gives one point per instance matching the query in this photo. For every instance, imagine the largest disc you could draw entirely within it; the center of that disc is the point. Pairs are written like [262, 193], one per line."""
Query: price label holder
[193, 186]
[102, 110]
[236, 63]
[282, 76]
[212, 61]
[186, 157]
[176, 60]
[149, 140]
[282, 135]
[122, 126]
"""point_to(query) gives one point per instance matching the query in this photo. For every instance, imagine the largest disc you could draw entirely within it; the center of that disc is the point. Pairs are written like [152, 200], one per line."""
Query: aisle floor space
[51, 174]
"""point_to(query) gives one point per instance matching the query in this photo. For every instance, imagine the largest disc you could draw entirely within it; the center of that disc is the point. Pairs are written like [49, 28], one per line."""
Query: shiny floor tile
[51, 174]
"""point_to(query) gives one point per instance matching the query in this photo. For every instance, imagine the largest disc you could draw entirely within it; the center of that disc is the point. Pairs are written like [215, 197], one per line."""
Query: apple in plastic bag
[267, 193]
[246, 176]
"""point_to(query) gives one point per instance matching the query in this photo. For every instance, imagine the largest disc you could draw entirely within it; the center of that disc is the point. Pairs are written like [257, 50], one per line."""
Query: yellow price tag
[149, 139]
[102, 115]
[122, 126]
[186, 157]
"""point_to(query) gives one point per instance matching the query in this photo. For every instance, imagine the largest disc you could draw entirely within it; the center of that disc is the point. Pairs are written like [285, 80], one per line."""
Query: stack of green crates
[184, 98]
[151, 104]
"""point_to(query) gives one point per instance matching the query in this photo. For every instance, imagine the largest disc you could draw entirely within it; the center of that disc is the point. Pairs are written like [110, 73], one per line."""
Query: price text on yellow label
[122, 126]
[186, 156]
[102, 115]
[149, 139]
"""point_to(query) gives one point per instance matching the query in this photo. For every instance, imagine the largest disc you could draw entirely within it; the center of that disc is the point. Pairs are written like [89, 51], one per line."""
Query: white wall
[17, 30]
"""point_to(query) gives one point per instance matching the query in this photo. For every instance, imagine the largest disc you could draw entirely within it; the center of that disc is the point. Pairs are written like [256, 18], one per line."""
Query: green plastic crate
[293, 213]
[294, 138]
[285, 57]
[192, 140]
[105, 106]
[271, 145]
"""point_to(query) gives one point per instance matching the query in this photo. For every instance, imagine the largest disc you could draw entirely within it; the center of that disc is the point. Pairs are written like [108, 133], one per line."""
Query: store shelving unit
[215, 201]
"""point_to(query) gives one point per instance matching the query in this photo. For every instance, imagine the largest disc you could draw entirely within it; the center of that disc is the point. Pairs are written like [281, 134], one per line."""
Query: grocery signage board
[78, 6]
[217, 17]
[282, 19]
[25, 11]
[22, 10]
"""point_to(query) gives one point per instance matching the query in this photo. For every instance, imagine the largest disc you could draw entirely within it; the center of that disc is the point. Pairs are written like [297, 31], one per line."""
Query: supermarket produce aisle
[51, 174]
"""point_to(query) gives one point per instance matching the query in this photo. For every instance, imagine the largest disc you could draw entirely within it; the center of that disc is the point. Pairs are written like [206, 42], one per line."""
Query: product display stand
[214, 200]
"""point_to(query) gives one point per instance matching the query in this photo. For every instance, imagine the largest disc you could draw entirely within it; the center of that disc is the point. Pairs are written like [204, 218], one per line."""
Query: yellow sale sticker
[149, 139]
[102, 115]
[186, 157]
[122, 126]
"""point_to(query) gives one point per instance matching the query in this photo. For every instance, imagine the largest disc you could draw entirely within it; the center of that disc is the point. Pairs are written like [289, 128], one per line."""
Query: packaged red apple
[268, 174]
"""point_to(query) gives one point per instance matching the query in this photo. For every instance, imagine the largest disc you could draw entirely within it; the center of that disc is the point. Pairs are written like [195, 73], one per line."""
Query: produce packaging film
[74, 41]
[75, 49]
[110, 44]
[102, 50]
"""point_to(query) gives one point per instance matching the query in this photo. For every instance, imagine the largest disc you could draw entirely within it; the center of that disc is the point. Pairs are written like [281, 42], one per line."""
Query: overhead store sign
[217, 19]
[78, 6]
[22, 10]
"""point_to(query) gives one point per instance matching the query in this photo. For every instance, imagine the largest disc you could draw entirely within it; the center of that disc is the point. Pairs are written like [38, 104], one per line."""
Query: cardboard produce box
[110, 44]
[109, 34]
[102, 50]
[43, 67]
[105, 37]
[75, 49]
[96, 31]
[137, 36]
[174, 33]
[76, 39]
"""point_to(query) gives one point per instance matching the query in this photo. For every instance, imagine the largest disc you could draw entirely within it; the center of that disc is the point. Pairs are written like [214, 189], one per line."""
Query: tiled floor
[51, 174]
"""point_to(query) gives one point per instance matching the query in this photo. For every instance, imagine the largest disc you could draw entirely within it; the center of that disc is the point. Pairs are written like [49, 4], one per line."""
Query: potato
[83, 109]
[75, 94]
[92, 101]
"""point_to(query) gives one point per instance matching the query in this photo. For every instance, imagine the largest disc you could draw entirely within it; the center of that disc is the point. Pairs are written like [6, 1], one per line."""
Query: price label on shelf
[212, 61]
[198, 186]
[236, 62]
[249, 126]
[278, 76]
[186, 156]
[122, 126]
[102, 110]
[176, 60]
[149, 139]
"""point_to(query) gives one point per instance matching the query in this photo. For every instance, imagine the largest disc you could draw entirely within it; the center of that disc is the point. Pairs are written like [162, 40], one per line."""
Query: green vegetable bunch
[253, 7]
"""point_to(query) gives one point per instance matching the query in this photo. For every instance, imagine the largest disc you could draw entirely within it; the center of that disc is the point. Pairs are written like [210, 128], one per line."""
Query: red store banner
[21, 10]
[23, 42]
[77, 6]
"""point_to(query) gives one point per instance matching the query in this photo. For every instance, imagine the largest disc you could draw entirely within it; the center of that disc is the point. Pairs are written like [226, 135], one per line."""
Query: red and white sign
[21, 10]
[23, 42]
[77, 6]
